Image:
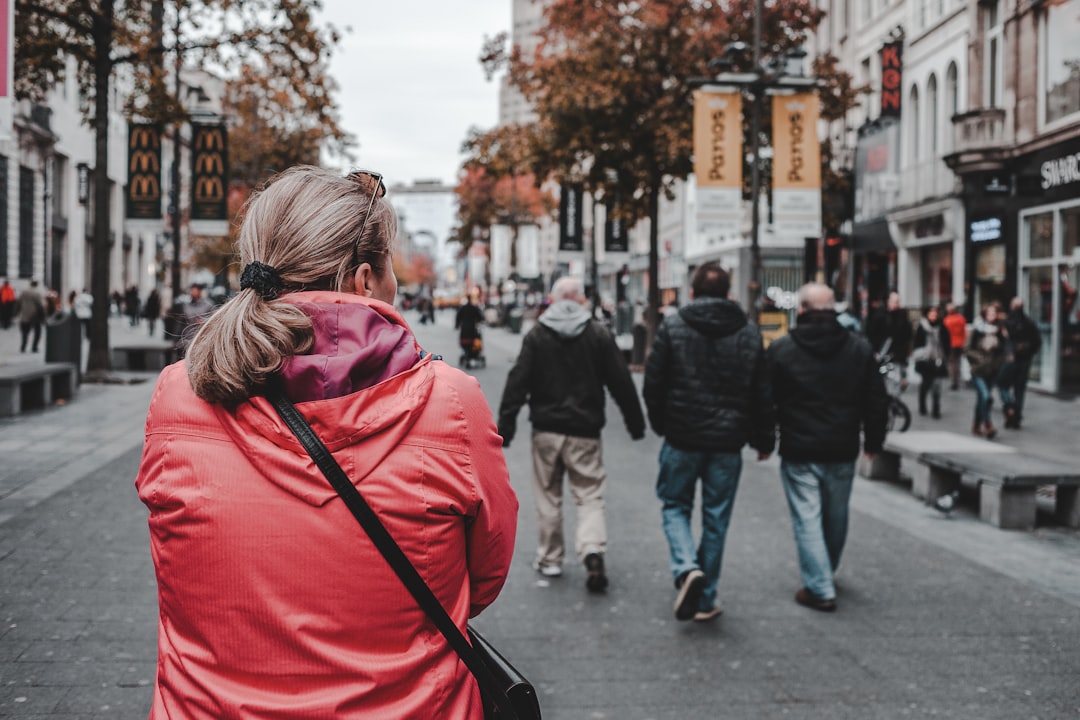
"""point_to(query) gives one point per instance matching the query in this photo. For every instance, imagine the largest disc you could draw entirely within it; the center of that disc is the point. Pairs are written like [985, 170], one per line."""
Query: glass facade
[1050, 278]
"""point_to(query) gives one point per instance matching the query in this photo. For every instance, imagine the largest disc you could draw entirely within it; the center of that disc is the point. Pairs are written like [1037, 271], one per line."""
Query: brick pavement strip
[938, 617]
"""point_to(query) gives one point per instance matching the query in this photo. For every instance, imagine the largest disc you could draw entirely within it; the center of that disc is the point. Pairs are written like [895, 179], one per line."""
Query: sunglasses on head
[363, 177]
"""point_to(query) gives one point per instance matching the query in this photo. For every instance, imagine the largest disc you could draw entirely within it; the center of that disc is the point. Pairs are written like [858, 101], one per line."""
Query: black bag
[505, 692]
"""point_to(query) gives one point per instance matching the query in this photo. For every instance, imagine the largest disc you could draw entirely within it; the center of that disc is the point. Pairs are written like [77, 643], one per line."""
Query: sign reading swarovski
[1060, 171]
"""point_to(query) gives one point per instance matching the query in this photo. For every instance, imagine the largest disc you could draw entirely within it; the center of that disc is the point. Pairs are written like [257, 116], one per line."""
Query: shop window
[1039, 232]
[1040, 306]
[1061, 60]
[937, 267]
[1070, 233]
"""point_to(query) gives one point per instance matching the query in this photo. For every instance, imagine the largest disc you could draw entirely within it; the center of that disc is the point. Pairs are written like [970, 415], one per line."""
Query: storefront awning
[872, 236]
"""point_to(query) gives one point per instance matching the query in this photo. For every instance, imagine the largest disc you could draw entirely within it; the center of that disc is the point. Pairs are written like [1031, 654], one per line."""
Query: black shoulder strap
[386, 544]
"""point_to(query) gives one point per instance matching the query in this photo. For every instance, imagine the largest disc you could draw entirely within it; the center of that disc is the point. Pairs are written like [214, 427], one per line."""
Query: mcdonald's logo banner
[796, 167]
[143, 198]
[209, 172]
[571, 224]
[718, 170]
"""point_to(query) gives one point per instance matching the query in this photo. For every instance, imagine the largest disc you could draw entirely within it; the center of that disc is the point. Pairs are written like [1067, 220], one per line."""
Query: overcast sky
[410, 82]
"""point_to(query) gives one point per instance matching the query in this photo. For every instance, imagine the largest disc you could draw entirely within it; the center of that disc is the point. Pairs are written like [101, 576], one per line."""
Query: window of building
[1061, 60]
[992, 55]
[914, 130]
[952, 100]
[26, 222]
[3, 216]
[932, 124]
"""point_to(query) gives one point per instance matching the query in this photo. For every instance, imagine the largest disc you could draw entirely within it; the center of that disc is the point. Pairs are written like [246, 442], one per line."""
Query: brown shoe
[976, 429]
[989, 430]
[805, 598]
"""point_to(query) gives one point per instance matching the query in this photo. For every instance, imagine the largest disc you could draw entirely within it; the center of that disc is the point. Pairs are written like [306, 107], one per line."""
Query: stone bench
[147, 356]
[33, 387]
[1005, 478]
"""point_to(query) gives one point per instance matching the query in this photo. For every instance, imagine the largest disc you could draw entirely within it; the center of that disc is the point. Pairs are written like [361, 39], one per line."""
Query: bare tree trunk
[652, 312]
[98, 361]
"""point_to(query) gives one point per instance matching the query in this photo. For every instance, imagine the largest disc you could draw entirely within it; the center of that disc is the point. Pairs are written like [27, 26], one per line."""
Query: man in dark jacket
[565, 363]
[1026, 341]
[707, 392]
[891, 325]
[827, 386]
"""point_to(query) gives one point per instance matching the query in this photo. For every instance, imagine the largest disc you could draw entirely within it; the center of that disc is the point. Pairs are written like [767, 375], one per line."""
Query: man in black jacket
[565, 363]
[707, 392]
[827, 386]
[1025, 341]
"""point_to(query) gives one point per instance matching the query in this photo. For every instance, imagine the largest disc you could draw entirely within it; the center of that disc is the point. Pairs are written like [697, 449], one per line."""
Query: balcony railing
[979, 130]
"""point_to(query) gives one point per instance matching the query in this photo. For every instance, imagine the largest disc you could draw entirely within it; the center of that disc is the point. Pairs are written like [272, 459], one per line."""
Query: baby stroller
[471, 352]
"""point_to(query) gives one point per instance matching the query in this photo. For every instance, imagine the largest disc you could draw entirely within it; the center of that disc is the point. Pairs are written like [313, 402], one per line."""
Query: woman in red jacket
[273, 601]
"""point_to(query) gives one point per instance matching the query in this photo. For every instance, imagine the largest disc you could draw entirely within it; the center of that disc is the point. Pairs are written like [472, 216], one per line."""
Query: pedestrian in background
[931, 358]
[131, 305]
[1026, 341]
[273, 602]
[707, 393]
[152, 309]
[192, 314]
[565, 362]
[83, 307]
[955, 323]
[31, 307]
[985, 352]
[889, 331]
[7, 304]
[827, 388]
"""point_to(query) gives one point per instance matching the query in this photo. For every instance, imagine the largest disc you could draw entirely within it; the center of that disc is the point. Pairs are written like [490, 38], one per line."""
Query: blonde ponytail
[305, 225]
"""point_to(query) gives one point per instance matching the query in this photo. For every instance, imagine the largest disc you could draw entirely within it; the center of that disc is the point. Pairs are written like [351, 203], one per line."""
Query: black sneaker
[596, 581]
[690, 588]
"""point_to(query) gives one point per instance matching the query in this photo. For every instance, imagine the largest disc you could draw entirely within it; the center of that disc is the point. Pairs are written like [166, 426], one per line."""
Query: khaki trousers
[582, 461]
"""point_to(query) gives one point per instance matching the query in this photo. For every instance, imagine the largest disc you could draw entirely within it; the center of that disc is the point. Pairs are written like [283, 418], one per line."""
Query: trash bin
[63, 340]
[514, 320]
[637, 354]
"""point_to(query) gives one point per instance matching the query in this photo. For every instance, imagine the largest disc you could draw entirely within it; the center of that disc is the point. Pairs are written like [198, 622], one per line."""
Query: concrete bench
[33, 387]
[1006, 483]
[148, 356]
[1005, 478]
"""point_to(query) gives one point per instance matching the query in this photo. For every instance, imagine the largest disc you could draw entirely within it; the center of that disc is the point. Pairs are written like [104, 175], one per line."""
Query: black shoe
[596, 581]
[691, 585]
[805, 598]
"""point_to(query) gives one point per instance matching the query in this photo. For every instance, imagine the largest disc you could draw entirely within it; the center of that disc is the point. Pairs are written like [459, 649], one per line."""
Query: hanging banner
[615, 237]
[209, 172]
[571, 226]
[143, 201]
[892, 77]
[796, 167]
[718, 169]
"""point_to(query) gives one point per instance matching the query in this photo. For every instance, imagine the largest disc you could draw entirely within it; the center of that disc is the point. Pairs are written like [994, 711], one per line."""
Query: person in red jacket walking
[273, 602]
[955, 323]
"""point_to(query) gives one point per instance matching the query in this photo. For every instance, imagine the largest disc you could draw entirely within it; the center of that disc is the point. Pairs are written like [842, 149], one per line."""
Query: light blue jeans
[818, 495]
[984, 395]
[679, 472]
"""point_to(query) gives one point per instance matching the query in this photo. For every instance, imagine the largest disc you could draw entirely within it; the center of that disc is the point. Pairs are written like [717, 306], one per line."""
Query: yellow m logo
[144, 162]
[209, 189]
[144, 188]
[209, 163]
[210, 138]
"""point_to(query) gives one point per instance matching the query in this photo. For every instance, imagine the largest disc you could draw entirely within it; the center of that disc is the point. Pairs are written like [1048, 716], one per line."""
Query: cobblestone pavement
[938, 617]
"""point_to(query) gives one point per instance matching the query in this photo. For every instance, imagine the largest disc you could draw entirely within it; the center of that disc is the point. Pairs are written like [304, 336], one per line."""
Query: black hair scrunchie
[261, 278]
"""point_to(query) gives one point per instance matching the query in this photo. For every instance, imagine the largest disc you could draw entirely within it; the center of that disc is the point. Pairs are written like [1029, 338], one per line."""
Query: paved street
[939, 617]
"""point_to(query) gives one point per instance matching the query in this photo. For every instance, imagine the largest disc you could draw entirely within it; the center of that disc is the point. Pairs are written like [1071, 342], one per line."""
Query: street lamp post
[760, 81]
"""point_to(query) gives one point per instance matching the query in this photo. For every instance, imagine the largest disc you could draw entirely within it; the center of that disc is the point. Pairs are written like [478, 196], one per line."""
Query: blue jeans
[818, 495]
[679, 472]
[983, 398]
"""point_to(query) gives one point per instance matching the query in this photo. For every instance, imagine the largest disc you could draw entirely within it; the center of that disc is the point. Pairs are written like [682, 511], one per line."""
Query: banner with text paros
[796, 167]
[209, 172]
[718, 169]
[143, 197]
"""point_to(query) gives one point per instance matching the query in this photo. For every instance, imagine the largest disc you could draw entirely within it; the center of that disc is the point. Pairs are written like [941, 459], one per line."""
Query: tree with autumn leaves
[281, 39]
[610, 86]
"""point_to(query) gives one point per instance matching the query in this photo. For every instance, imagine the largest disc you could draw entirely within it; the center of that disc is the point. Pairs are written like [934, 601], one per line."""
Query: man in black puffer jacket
[827, 387]
[565, 363]
[707, 392]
